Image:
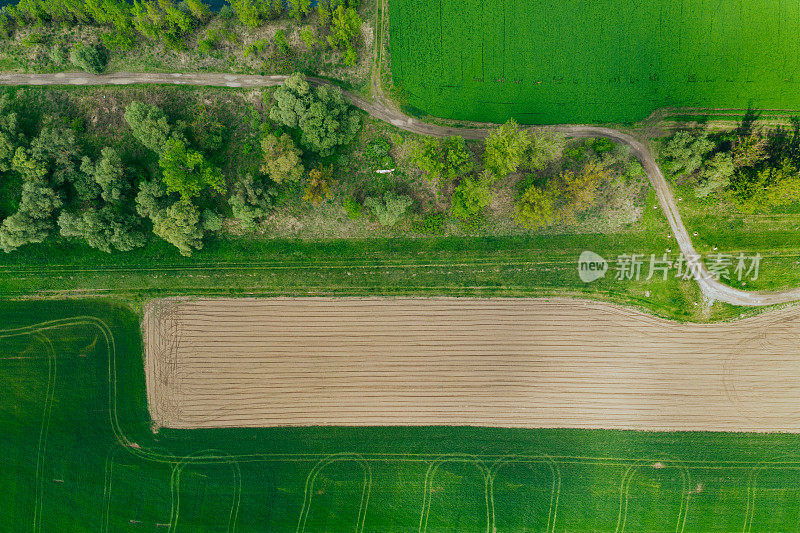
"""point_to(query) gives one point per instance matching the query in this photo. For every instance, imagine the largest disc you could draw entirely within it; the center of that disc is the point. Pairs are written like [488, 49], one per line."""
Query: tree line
[755, 169]
[113, 204]
[123, 23]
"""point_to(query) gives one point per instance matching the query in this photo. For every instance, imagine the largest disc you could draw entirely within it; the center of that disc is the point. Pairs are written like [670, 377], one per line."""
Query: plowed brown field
[479, 362]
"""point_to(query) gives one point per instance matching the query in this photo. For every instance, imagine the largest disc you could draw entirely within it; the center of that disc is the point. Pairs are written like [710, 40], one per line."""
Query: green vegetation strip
[80, 455]
[512, 266]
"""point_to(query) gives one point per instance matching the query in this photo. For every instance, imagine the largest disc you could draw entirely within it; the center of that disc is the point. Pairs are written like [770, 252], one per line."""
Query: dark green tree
[324, 118]
[89, 58]
[149, 125]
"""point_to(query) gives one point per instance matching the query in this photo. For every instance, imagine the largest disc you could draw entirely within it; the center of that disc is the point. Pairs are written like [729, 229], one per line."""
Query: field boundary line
[133, 448]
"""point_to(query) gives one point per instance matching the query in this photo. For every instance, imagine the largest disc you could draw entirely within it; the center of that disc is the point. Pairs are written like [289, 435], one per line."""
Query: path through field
[478, 362]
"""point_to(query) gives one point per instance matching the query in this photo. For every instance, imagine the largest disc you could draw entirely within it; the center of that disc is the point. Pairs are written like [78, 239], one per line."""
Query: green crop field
[568, 61]
[79, 455]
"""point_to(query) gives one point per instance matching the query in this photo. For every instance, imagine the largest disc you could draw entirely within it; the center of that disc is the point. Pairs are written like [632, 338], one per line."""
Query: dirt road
[480, 362]
[379, 108]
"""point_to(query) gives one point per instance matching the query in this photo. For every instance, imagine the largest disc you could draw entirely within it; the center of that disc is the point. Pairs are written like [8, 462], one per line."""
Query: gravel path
[380, 108]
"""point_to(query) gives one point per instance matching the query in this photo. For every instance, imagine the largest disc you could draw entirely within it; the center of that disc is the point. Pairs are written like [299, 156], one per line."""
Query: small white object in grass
[695, 234]
[715, 248]
[669, 250]
[655, 206]
[681, 198]
[647, 294]
[387, 171]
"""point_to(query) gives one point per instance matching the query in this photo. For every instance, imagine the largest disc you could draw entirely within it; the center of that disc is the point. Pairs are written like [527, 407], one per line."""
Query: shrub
[58, 55]
[345, 30]
[280, 42]
[471, 196]
[390, 209]
[226, 12]
[433, 224]
[353, 208]
[534, 208]
[89, 58]
[211, 221]
[320, 181]
[309, 37]
[377, 154]
[32, 39]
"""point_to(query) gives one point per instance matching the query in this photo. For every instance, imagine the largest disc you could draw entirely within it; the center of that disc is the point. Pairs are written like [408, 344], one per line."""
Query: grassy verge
[719, 227]
[80, 455]
[491, 266]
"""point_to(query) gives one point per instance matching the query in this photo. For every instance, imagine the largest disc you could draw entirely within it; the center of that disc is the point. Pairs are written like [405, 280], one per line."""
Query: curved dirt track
[379, 108]
[527, 363]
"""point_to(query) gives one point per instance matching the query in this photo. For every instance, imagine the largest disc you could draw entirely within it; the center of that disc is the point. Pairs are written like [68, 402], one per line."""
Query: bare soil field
[528, 363]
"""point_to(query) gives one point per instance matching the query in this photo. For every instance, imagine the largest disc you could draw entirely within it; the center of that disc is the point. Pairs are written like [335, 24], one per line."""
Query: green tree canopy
[444, 160]
[715, 175]
[345, 30]
[545, 146]
[281, 158]
[324, 118]
[186, 171]
[57, 149]
[149, 125]
[534, 208]
[506, 148]
[10, 135]
[106, 229]
[684, 152]
[33, 221]
[252, 200]
[471, 196]
[177, 222]
[108, 173]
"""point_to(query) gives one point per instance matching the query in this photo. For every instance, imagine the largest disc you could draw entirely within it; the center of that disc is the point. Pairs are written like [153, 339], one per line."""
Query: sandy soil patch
[479, 362]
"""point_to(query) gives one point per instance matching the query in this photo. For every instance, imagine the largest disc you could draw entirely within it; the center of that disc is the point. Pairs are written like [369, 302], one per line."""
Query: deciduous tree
[281, 158]
[149, 125]
[186, 171]
[323, 116]
[684, 152]
[471, 196]
[506, 148]
[444, 160]
[534, 208]
[320, 181]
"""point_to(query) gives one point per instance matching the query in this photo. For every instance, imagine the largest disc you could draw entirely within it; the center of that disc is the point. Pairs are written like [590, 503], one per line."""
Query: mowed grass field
[79, 455]
[573, 61]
